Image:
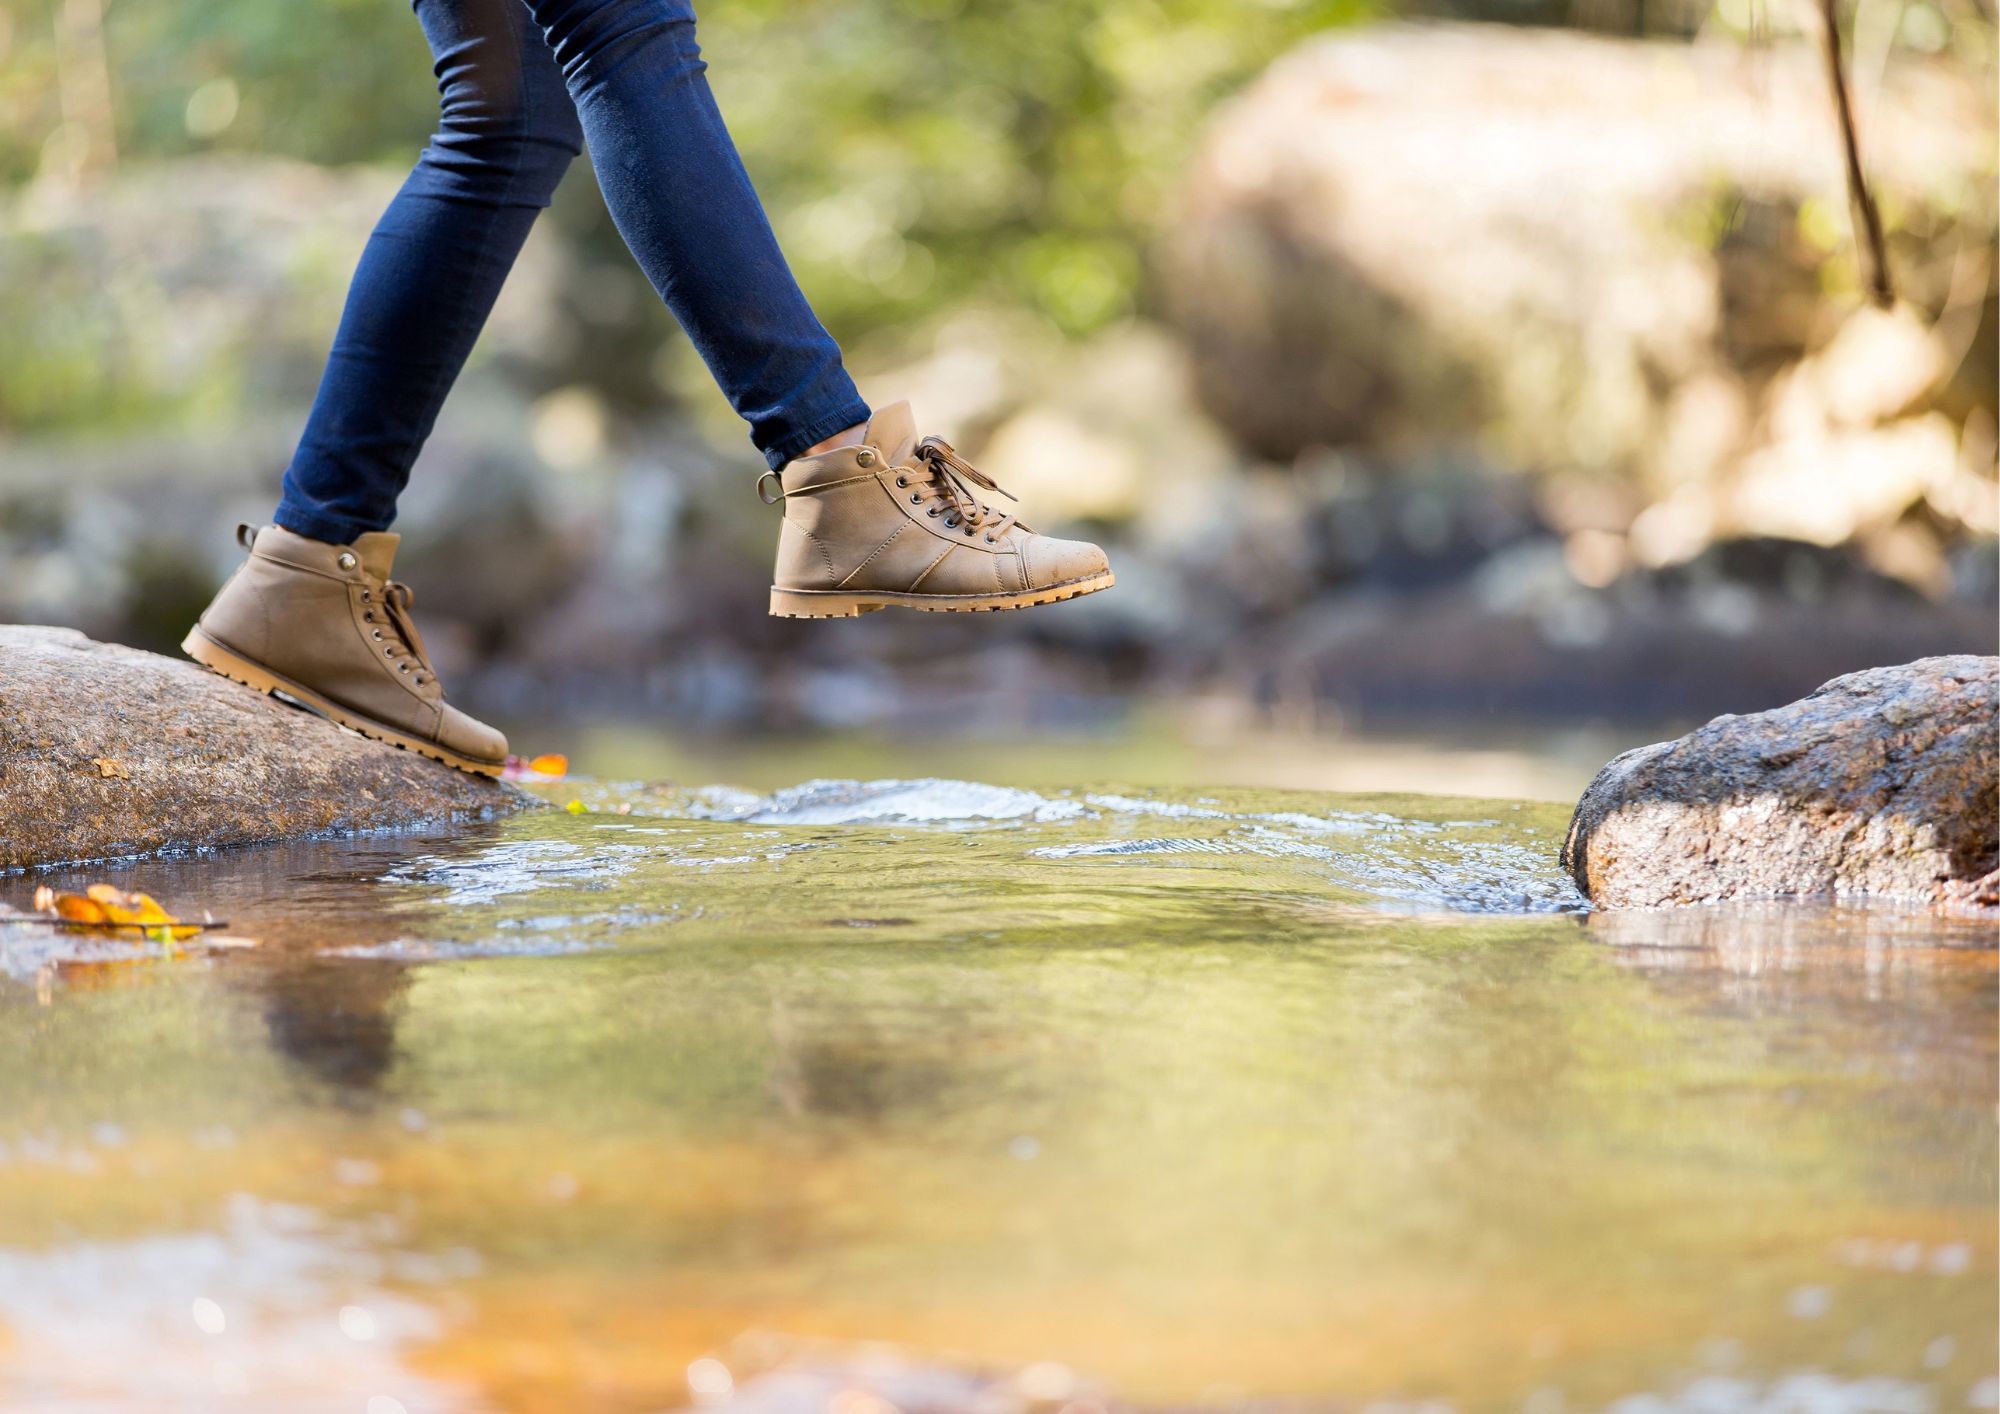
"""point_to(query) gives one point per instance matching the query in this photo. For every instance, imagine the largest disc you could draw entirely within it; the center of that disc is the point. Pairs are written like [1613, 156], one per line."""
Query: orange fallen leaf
[77, 909]
[110, 768]
[551, 766]
[101, 904]
[121, 907]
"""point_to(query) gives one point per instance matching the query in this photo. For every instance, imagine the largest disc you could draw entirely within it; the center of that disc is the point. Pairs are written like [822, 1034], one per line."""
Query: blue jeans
[523, 83]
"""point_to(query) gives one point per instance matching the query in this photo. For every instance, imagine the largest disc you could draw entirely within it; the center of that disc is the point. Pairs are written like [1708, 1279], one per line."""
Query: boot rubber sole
[851, 603]
[217, 659]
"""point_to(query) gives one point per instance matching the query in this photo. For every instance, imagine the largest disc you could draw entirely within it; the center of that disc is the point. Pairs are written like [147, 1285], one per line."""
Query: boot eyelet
[972, 530]
[367, 597]
[377, 633]
[346, 561]
[402, 667]
[951, 521]
[389, 652]
[902, 481]
[932, 512]
[915, 499]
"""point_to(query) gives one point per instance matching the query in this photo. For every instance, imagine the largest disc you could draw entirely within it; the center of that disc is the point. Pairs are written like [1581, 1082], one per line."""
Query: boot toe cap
[471, 737]
[1055, 561]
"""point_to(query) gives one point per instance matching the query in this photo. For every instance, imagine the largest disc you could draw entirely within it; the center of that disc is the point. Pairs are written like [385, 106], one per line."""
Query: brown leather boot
[326, 626]
[897, 522]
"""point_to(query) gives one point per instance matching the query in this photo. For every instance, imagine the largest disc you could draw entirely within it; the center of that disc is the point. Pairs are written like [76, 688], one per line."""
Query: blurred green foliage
[1016, 151]
[326, 81]
[915, 153]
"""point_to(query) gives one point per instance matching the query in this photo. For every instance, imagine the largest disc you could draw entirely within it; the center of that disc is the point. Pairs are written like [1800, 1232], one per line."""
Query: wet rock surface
[108, 752]
[1880, 784]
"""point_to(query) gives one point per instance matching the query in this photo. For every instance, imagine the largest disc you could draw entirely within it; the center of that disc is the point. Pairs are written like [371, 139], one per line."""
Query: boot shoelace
[950, 479]
[396, 600]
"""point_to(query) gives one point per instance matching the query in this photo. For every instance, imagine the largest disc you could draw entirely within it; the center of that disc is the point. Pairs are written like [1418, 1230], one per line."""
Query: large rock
[1618, 258]
[108, 752]
[1882, 783]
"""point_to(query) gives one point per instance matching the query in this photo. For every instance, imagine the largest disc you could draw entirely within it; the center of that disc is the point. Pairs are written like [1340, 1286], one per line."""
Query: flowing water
[935, 1095]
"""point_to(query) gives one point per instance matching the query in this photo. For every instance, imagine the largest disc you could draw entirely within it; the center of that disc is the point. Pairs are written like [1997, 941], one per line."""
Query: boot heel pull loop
[766, 497]
[246, 535]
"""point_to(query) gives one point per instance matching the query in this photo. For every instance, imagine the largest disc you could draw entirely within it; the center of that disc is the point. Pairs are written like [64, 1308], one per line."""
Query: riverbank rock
[1882, 784]
[1621, 258]
[107, 752]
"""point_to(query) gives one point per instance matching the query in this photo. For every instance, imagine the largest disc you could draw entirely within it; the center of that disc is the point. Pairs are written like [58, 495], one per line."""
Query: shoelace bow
[951, 479]
[397, 601]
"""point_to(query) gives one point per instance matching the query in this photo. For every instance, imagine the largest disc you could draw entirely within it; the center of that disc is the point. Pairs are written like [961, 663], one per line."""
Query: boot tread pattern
[848, 604]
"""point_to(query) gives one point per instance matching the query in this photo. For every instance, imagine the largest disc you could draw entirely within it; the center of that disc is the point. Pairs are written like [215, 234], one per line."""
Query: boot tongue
[893, 430]
[377, 551]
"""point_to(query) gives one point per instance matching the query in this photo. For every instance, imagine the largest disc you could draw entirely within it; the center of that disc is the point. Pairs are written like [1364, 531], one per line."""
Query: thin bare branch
[1863, 200]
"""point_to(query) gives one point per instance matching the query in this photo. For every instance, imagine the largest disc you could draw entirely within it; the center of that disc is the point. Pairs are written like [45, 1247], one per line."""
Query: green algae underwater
[934, 1095]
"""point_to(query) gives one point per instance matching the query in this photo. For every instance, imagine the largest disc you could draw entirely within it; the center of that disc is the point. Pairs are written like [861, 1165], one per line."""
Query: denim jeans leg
[434, 265]
[679, 194]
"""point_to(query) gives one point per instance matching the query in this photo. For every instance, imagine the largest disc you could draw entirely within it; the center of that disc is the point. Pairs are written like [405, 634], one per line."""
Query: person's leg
[875, 515]
[434, 265]
[312, 613]
[678, 192]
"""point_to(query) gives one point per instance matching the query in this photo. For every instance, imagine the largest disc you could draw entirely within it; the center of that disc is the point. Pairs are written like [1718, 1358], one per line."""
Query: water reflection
[1328, 1103]
[334, 1019]
[1760, 936]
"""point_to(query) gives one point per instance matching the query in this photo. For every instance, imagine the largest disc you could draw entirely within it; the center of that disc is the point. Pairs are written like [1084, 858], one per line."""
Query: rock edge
[108, 752]
[1883, 783]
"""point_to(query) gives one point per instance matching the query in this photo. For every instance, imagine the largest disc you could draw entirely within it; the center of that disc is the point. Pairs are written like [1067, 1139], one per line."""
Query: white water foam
[930, 801]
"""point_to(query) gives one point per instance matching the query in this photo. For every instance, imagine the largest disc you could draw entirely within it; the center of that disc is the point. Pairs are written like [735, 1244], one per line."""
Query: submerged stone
[1880, 784]
[108, 752]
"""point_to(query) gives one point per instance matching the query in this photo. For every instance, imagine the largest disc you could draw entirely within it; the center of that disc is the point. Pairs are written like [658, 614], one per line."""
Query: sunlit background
[1486, 373]
[1463, 395]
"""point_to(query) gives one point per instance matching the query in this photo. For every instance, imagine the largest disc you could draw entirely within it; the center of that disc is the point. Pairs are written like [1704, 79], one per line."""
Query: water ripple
[516, 867]
[928, 801]
[1411, 863]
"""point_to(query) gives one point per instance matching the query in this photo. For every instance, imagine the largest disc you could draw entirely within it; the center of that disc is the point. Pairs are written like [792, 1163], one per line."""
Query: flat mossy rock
[108, 752]
[1882, 784]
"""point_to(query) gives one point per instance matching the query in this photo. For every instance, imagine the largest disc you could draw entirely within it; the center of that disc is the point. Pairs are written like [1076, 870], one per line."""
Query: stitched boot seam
[832, 575]
[929, 567]
[872, 554]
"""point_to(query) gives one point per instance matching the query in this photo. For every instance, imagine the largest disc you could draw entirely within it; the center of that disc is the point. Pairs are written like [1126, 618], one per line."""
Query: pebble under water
[928, 1095]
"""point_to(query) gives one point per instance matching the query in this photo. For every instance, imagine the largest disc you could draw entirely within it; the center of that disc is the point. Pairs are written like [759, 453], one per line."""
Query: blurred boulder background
[1414, 364]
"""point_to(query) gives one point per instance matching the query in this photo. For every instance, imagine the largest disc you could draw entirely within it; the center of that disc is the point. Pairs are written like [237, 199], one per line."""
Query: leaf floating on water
[139, 910]
[551, 766]
[134, 917]
[102, 906]
[72, 908]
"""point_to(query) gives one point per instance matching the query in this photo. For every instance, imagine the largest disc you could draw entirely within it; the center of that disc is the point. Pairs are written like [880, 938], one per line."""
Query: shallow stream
[934, 1095]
